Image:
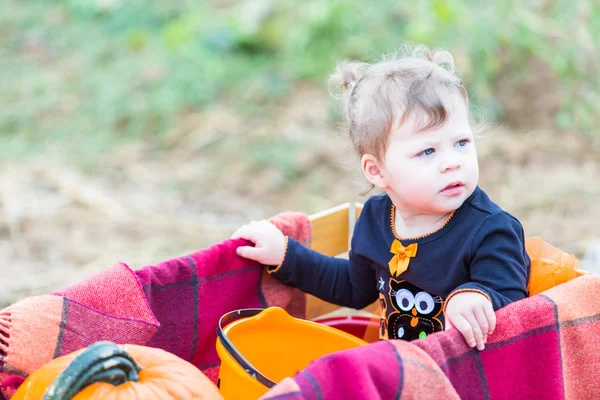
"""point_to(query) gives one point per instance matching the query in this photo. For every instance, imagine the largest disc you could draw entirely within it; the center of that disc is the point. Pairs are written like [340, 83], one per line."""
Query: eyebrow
[463, 133]
[432, 143]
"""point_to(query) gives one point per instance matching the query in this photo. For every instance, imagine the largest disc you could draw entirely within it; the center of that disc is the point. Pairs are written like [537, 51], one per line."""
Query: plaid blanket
[174, 305]
[544, 347]
[390, 369]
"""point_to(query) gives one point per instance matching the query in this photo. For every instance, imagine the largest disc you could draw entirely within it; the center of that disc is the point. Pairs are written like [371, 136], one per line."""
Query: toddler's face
[432, 171]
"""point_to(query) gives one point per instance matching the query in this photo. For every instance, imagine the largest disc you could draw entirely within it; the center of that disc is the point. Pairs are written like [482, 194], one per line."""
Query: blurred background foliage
[91, 74]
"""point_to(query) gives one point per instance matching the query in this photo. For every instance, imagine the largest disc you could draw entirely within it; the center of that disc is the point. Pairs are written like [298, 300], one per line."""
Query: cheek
[472, 165]
[418, 178]
[397, 168]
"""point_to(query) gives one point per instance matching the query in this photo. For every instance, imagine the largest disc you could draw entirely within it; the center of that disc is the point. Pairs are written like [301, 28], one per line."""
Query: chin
[451, 204]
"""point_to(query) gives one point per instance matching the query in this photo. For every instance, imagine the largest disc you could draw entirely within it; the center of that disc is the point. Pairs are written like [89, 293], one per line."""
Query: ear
[372, 170]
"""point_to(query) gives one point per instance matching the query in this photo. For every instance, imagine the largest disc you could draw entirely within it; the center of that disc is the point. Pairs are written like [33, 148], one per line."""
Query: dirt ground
[59, 225]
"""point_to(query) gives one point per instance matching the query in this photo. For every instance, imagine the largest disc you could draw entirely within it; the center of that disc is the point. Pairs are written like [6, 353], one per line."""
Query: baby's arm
[499, 271]
[348, 283]
[499, 265]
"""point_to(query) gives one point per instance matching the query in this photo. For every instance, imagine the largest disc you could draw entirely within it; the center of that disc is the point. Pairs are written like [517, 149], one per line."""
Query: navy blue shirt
[480, 248]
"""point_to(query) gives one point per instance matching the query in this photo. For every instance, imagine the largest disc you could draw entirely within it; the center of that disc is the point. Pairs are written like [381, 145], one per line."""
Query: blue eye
[462, 143]
[426, 152]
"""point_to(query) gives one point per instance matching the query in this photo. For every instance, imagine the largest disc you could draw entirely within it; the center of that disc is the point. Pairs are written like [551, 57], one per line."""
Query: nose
[450, 163]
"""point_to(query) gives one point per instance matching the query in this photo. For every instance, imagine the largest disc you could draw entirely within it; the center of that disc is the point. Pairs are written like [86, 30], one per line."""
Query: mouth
[454, 188]
[453, 185]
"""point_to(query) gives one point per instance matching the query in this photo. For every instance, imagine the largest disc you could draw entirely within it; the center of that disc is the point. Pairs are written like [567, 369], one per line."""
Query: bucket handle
[237, 356]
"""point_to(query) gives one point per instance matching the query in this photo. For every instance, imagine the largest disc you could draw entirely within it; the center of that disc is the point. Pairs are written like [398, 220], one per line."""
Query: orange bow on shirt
[399, 263]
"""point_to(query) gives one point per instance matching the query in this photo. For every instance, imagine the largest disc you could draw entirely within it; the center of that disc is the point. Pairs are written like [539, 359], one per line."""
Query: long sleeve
[500, 265]
[348, 283]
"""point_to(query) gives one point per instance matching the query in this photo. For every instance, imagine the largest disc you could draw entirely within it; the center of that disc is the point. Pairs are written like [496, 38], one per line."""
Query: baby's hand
[269, 242]
[473, 315]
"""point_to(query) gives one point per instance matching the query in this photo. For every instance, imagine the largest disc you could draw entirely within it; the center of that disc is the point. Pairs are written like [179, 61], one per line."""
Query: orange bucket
[550, 266]
[266, 346]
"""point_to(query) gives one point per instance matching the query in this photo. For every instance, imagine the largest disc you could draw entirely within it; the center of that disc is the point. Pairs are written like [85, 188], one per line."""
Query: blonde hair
[378, 98]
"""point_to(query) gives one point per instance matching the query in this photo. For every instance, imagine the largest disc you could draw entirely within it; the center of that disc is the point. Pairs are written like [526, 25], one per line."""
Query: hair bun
[345, 77]
[441, 58]
[444, 59]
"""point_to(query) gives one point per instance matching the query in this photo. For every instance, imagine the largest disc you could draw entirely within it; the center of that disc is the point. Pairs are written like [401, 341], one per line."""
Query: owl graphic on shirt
[416, 312]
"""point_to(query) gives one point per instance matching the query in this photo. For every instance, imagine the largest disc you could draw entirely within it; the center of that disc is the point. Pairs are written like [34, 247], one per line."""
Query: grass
[79, 78]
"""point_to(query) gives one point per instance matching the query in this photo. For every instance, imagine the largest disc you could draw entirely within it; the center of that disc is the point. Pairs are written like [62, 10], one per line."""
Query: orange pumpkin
[107, 371]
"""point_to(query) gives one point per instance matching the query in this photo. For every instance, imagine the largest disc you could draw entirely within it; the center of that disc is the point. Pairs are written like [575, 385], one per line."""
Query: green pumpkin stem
[101, 362]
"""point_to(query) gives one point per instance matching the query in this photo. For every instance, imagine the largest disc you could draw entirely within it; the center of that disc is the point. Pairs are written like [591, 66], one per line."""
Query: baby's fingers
[476, 329]
[449, 324]
[237, 234]
[245, 232]
[491, 317]
[483, 323]
[464, 327]
[252, 253]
